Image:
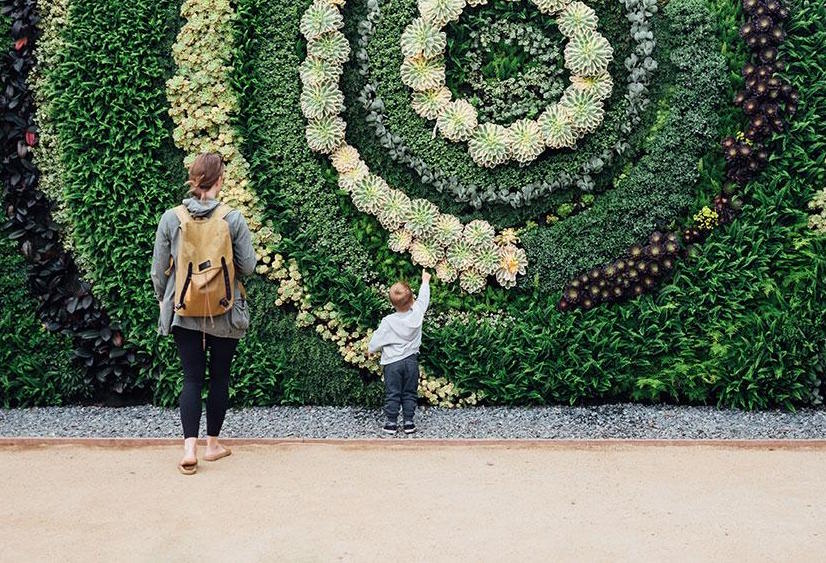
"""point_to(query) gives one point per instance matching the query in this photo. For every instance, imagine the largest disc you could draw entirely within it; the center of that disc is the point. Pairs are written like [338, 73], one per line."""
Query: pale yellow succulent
[513, 262]
[203, 105]
[507, 236]
[446, 272]
[345, 158]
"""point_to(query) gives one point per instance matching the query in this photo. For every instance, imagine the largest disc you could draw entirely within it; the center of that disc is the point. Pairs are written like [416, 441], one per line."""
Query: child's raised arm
[423, 299]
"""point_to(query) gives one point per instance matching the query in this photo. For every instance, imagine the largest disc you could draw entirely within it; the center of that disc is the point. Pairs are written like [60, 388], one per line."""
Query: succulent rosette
[394, 210]
[588, 54]
[426, 253]
[320, 18]
[314, 71]
[400, 241]
[326, 133]
[479, 234]
[332, 47]
[445, 272]
[490, 145]
[423, 38]
[512, 262]
[472, 281]
[461, 255]
[447, 230]
[421, 73]
[557, 127]
[526, 141]
[457, 120]
[345, 158]
[431, 103]
[441, 12]
[422, 217]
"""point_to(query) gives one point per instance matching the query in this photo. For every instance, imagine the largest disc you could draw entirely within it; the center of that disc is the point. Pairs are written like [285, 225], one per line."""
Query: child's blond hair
[401, 296]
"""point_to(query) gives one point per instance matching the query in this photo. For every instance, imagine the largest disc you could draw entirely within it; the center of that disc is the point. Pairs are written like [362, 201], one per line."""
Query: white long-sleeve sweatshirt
[400, 334]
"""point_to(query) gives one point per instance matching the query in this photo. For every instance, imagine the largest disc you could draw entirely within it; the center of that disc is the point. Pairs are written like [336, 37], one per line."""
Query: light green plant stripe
[202, 105]
[54, 20]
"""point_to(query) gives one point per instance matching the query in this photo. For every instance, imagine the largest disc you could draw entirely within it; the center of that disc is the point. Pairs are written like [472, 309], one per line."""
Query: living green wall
[737, 319]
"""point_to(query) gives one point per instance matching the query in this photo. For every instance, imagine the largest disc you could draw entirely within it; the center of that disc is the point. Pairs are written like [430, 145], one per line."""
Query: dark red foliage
[66, 301]
[766, 100]
[641, 269]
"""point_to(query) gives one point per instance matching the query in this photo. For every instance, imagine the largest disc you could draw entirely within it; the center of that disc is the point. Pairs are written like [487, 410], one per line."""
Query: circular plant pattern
[518, 191]
[425, 248]
[470, 252]
[500, 90]
[579, 112]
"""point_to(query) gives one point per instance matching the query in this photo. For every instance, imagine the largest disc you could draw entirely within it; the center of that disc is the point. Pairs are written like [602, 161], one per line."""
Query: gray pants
[401, 385]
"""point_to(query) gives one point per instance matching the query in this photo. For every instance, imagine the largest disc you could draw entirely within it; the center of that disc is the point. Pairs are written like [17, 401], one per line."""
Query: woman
[200, 324]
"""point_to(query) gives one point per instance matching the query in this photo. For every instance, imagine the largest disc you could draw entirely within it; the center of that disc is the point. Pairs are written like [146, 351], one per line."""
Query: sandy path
[315, 502]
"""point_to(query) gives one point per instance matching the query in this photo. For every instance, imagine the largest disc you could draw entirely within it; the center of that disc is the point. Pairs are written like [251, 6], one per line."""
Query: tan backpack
[205, 275]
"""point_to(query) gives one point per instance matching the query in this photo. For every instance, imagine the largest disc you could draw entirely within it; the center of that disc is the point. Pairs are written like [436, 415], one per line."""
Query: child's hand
[425, 276]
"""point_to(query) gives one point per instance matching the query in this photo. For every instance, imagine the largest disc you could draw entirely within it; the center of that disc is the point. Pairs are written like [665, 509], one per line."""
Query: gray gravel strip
[560, 422]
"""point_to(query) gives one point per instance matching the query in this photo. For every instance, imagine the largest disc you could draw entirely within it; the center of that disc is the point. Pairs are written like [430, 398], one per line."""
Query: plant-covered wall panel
[620, 200]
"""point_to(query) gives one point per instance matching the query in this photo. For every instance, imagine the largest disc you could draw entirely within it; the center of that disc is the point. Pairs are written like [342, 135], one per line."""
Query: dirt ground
[326, 502]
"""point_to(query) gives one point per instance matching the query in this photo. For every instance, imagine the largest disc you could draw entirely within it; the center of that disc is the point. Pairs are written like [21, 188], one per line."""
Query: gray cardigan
[229, 325]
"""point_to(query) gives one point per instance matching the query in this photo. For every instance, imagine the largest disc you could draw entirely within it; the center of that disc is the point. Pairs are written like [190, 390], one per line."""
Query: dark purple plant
[66, 302]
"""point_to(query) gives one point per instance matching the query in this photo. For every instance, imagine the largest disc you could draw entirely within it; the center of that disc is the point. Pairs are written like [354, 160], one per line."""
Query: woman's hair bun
[204, 172]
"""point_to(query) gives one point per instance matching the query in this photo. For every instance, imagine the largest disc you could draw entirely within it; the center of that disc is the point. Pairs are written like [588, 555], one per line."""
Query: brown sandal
[188, 469]
[224, 453]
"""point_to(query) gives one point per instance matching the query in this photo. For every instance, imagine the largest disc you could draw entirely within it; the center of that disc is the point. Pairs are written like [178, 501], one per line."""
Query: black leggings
[194, 361]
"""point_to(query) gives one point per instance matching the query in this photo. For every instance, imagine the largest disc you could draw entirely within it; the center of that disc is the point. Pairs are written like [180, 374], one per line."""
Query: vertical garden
[621, 200]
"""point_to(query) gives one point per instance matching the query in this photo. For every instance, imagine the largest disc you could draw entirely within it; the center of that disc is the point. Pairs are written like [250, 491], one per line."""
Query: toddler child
[399, 337]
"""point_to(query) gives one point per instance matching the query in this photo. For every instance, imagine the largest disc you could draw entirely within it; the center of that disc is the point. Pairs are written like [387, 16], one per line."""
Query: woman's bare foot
[190, 458]
[214, 450]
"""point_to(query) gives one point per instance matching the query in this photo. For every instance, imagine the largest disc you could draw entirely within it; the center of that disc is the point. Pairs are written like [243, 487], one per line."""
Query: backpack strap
[227, 286]
[183, 217]
[221, 212]
[181, 305]
[183, 214]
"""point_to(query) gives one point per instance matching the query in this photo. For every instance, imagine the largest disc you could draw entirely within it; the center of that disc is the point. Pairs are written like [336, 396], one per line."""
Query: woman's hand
[425, 276]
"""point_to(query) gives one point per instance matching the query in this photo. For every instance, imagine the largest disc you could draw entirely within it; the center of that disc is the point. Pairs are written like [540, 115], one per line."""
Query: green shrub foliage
[742, 322]
[122, 168]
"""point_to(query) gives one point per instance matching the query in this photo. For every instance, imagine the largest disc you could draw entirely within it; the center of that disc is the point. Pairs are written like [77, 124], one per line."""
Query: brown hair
[401, 296]
[204, 172]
